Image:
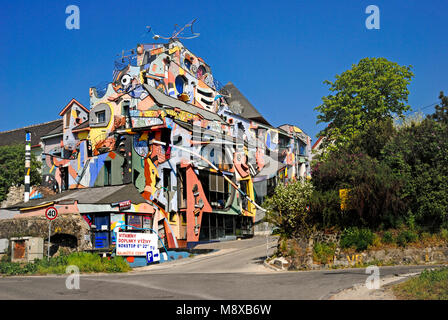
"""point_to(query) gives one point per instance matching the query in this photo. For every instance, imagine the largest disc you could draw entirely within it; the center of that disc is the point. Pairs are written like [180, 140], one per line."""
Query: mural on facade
[159, 123]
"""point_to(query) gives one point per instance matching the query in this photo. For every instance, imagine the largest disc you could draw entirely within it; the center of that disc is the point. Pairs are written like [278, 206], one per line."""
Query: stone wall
[68, 231]
[297, 254]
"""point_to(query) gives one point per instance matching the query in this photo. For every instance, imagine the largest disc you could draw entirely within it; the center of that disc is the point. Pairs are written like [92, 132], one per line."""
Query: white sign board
[135, 244]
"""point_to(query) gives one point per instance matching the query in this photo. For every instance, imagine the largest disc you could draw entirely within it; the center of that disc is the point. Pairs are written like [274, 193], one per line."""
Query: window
[180, 84]
[107, 173]
[166, 179]
[216, 188]
[100, 116]
[182, 188]
[134, 222]
[67, 118]
[243, 186]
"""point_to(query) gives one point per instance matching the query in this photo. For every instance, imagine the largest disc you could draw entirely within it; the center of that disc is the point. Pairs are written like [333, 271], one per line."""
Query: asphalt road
[234, 271]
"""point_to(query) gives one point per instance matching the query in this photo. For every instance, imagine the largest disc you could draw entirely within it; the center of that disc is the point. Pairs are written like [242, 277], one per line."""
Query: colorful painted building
[199, 154]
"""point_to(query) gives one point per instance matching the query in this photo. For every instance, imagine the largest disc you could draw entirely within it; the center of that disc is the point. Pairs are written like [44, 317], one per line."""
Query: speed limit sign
[51, 213]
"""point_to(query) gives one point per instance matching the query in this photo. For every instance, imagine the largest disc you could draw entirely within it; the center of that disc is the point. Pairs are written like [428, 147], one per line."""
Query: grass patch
[86, 262]
[429, 285]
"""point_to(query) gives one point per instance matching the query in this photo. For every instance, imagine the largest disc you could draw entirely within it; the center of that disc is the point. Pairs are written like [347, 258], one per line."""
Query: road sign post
[51, 213]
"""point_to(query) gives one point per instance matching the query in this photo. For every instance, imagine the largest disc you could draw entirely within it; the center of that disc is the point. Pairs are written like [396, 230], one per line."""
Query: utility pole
[27, 165]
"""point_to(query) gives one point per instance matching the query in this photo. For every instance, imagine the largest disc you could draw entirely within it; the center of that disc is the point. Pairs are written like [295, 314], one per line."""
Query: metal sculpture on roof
[178, 32]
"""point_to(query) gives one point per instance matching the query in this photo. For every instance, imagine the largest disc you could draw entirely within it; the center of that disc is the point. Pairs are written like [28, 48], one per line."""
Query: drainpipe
[27, 165]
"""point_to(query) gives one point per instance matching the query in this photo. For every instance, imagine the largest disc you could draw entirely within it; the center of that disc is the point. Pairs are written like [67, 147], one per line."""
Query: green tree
[418, 154]
[373, 199]
[372, 139]
[12, 168]
[441, 111]
[373, 89]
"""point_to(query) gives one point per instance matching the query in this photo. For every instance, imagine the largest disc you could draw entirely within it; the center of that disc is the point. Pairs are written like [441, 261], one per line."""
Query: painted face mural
[128, 81]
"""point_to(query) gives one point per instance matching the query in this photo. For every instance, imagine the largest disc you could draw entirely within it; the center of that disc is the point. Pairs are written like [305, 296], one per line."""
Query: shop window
[134, 222]
[205, 227]
[229, 225]
[101, 232]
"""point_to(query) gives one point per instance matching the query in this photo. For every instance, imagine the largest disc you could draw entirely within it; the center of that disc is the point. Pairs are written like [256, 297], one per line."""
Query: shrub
[288, 208]
[406, 236]
[323, 252]
[86, 262]
[360, 239]
[388, 237]
[417, 153]
[444, 234]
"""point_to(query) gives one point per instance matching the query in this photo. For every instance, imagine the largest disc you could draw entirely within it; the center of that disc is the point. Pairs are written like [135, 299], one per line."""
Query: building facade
[199, 155]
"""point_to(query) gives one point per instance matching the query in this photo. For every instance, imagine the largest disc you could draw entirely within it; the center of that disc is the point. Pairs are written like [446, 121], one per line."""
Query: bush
[359, 239]
[86, 262]
[405, 237]
[388, 237]
[324, 252]
[418, 155]
[444, 234]
[288, 208]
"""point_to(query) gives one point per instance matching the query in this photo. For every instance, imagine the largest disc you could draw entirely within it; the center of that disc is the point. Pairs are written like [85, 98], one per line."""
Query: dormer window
[101, 116]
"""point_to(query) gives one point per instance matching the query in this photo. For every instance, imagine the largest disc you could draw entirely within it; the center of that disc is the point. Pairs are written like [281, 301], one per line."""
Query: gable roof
[17, 136]
[70, 104]
[239, 104]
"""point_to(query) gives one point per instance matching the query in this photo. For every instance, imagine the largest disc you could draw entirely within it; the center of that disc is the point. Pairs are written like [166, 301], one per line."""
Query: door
[19, 249]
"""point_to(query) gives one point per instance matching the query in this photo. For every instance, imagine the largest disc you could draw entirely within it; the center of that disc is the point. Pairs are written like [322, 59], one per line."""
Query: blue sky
[278, 53]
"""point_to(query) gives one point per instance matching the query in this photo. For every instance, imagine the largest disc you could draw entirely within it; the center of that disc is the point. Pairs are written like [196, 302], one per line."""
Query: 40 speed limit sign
[51, 213]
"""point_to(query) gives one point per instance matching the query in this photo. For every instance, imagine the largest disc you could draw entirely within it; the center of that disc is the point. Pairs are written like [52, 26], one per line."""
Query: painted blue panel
[180, 84]
[101, 237]
[95, 168]
[101, 240]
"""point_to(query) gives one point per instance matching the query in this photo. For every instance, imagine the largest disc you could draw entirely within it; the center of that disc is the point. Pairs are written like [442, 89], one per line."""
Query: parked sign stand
[153, 256]
[51, 213]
